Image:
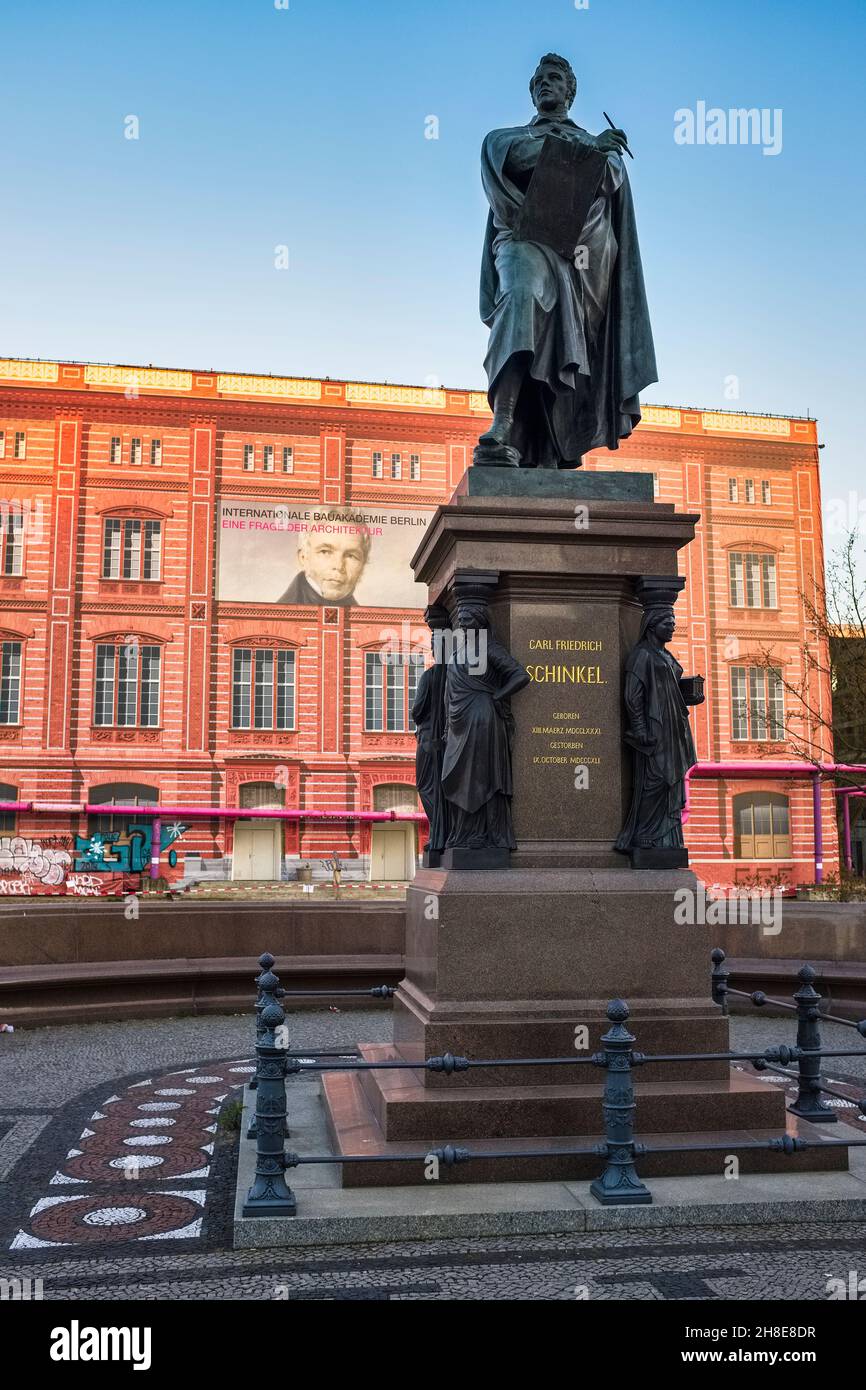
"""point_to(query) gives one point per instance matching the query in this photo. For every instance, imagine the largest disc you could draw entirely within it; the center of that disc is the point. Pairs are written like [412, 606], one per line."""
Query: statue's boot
[494, 447]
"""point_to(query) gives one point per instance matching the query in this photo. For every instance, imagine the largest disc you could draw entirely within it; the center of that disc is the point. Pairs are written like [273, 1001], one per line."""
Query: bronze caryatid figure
[481, 677]
[657, 697]
[562, 287]
[428, 716]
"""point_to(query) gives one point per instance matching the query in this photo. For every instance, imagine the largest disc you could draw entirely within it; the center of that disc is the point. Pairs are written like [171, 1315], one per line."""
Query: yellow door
[391, 856]
[256, 853]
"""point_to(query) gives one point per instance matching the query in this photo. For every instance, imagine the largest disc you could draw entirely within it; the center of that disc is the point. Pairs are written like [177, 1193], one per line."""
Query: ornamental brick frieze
[149, 736]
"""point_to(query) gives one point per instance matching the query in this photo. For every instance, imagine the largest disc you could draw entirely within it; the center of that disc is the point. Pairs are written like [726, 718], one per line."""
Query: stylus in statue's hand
[616, 141]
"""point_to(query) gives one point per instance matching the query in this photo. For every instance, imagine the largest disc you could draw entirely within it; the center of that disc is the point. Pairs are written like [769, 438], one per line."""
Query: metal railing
[618, 1182]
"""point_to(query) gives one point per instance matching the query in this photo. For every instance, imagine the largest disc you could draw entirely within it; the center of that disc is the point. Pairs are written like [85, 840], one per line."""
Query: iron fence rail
[619, 1182]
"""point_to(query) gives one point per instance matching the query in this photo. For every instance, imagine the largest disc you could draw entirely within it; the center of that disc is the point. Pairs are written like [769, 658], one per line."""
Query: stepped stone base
[487, 969]
[354, 1129]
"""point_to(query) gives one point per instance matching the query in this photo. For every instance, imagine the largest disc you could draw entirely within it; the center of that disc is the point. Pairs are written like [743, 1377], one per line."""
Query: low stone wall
[87, 962]
[45, 931]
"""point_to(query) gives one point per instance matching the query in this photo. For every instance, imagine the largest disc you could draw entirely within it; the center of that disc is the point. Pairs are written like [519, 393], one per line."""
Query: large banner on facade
[314, 554]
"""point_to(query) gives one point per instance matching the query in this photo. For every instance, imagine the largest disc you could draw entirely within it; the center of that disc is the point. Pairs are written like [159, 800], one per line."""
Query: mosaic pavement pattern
[125, 1192]
[140, 1165]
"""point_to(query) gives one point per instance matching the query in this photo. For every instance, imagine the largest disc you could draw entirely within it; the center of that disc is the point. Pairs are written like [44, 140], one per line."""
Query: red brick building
[151, 657]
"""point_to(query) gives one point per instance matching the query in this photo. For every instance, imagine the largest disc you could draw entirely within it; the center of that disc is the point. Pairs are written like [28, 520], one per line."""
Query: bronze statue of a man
[570, 340]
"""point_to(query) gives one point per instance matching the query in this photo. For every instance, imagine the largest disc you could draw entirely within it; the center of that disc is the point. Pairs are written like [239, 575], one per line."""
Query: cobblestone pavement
[116, 1182]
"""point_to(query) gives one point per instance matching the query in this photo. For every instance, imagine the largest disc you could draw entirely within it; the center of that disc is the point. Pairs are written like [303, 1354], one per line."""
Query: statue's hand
[611, 141]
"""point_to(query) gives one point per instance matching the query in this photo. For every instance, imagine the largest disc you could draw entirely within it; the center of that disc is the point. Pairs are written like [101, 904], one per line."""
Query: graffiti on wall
[102, 862]
[33, 861]
[123, 851]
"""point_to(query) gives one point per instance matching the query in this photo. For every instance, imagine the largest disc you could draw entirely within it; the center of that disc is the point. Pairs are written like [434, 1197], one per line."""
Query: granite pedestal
[520, 962]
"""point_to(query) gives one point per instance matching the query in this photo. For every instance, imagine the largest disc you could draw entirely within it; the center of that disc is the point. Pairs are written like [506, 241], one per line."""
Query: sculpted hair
[560, 62]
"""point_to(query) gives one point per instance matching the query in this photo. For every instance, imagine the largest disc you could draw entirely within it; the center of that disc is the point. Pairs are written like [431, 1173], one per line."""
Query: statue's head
[554, 85]
[436, 616]
[660, 621]
[472, 614]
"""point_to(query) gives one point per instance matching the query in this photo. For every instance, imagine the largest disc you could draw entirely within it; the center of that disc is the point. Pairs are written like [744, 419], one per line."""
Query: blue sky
[305, 127]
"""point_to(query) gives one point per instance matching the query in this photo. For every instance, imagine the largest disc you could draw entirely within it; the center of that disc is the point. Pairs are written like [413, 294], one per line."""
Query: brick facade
[61, 610]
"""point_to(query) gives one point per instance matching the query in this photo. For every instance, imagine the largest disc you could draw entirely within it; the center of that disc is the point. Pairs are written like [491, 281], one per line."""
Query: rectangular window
[752, 580]
[288, 459]
[263, 695]
[104, 707]
[12, 539]
[20, 444]
[757, 703]
[396, 465]
[750, 490]
[373, 687]
[151, 662]
[378, 471]
[775, 704]
[152, 549]
[135, 451]
[766, 493]
[733, 490]
[2, 444]
[268, 458]
[735, 575]
[768, 580]
[127, 685]
[114, 449]
[10, 682]
[395, 721]
[242, 662]
[131, 550]
[122, 549]
[415, 467]
[111, 540]
[263, 689]
[249, 457]
[156, 453]
[285, 690]
[390, 682]
[416, 668]
[655, 478]
[739, 704]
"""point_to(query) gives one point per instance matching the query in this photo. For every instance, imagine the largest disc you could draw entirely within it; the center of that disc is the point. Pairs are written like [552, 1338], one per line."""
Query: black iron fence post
[619, 1184]
[266, 960]
[720, 976]
[269, 1194]
[809, 1105]
[270, 991]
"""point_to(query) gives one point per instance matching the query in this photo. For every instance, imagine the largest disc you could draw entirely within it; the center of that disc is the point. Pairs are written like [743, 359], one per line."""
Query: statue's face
[665, 628]
[469, 618]
[550, 87]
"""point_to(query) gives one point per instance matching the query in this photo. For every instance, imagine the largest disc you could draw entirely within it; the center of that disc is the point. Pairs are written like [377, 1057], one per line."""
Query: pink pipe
[246, 813]
[770, 769]
[101, 808]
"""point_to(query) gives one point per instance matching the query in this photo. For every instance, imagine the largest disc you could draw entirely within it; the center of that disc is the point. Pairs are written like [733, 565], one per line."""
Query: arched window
[395, 796]
[265, 794]
[7, 818]
[117, 794]
[762, 826]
